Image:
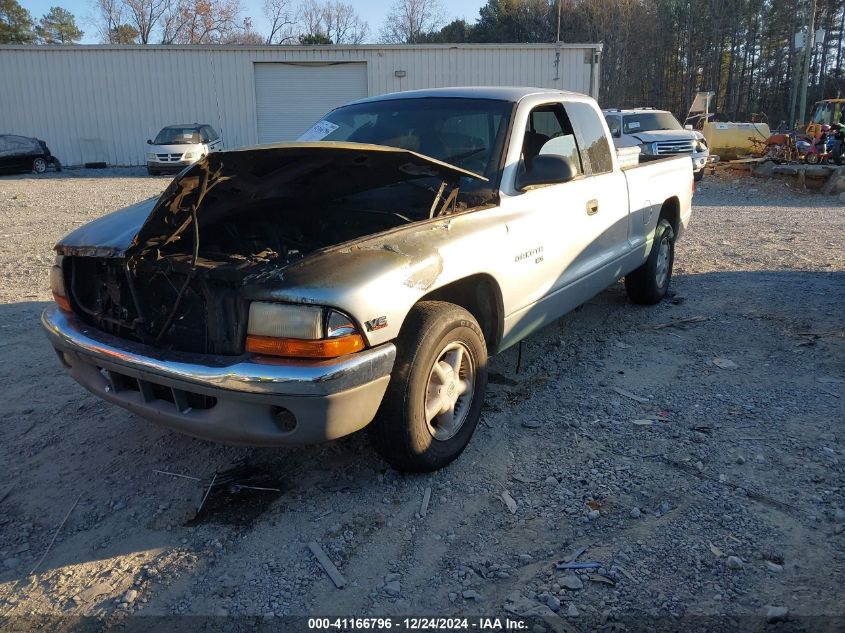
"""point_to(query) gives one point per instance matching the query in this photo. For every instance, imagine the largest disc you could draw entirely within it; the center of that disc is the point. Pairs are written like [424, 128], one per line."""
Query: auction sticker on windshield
[320, 131]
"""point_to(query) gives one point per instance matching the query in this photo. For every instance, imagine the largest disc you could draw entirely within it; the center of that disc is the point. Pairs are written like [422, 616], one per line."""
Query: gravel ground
[700, 465]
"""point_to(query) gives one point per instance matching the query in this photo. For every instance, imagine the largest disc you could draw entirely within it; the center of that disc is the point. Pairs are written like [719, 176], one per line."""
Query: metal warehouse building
[101, 103]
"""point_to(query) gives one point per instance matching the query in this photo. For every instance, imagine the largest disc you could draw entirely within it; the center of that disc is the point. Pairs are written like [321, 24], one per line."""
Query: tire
[39, 165]
[812, 159]
[838, 153]
[699, 175]
[433, 334]
[649, 283]
[152, 172]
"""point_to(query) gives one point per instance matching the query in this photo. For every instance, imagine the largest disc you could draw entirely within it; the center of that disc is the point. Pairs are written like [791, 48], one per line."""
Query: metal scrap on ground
[327, 565]
[632, 396]
[426, 499]
[681, 323]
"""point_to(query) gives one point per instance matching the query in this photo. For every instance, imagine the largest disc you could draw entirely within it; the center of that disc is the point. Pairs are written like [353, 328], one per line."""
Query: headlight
[151, 157]
[300, 331]
[190, 155]
[646, 148]
[57, 284]
[700, 146]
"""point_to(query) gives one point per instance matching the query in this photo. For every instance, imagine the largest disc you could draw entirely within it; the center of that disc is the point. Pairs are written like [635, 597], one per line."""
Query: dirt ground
[700, 465]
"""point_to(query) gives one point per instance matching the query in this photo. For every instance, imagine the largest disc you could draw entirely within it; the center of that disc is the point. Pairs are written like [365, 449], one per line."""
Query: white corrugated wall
[100, 103]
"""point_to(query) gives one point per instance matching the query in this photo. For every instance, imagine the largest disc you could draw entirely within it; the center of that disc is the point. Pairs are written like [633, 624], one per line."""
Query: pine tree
[15, 24]
[58, 27]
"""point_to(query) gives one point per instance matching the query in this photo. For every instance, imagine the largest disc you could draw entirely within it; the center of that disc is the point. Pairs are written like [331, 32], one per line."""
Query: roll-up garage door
[291, 97]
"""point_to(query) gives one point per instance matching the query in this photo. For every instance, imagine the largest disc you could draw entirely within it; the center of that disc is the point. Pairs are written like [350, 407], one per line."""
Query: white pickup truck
[361, 277]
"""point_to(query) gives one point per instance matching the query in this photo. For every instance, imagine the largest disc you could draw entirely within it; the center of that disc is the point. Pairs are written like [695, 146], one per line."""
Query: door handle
[592, 207]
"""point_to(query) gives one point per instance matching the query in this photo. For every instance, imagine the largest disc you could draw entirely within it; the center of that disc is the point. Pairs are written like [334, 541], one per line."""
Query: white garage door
[290, 98]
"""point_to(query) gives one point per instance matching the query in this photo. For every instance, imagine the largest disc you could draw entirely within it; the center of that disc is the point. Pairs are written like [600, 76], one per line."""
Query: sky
[372, 11]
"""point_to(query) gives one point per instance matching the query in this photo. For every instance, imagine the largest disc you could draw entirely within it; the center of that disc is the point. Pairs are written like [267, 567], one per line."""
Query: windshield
[178, 136]
[468, 133]
[649, 121]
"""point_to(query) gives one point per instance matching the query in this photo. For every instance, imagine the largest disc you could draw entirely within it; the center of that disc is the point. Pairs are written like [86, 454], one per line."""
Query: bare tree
[110, 15]
[343, 24]
[331, 21]
[281, 19]
[144, 15]
[410, 21]
[210, 21]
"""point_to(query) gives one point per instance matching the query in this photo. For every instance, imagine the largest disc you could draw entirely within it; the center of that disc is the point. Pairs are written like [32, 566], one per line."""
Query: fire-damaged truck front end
[159, 306]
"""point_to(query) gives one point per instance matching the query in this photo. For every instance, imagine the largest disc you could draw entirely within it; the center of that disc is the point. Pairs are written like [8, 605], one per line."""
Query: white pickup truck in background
[300, 292]
[657, 133]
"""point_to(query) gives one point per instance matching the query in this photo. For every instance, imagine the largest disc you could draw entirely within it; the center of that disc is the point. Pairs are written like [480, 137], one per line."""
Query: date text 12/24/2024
[417, 624]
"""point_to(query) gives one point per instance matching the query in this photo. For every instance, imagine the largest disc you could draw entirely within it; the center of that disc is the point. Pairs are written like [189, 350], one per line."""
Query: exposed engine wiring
[188, 278]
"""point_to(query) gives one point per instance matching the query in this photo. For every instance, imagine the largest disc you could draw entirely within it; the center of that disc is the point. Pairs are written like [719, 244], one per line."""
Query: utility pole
[809, 45]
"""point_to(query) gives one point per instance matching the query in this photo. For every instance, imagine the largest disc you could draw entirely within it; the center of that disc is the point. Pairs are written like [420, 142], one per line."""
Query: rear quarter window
[590, 133]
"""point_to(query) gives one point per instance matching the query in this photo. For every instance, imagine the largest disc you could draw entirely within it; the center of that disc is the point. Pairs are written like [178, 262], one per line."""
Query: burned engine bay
[236, 214]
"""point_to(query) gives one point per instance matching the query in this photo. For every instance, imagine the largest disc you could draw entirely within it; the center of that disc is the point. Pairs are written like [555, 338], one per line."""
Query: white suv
[178, 146]
[657, 133]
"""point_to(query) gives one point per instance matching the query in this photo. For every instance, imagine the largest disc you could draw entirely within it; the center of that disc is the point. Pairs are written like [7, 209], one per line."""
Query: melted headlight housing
[300, 331]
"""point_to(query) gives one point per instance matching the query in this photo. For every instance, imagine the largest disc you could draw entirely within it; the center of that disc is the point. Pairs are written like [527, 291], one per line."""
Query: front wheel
[434, 398]
[813, 159]
[838, 151]
[649, 283]
[39, 165]
[699, 175]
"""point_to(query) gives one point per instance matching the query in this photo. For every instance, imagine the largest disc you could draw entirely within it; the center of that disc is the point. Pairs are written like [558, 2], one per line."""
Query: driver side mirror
[546, 169]
[617, 133]
[149, 141]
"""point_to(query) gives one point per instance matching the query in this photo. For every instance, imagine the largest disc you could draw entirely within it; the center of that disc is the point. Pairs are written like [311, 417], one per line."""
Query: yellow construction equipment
[825, 112]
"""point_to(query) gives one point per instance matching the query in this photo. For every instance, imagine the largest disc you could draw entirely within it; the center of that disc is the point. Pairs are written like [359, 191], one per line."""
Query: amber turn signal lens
[62, 302]
[304, 348]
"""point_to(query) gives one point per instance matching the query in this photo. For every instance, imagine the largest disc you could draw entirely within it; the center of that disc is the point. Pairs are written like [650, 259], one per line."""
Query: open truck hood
[316, 170]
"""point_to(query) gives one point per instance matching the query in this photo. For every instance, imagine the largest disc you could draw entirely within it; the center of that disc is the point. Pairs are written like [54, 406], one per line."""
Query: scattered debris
[643, 422]
[55, 535]
[775, 614]
[734, 562]
[716, 551]
[724, 363]
[471, 594]
[575, 554]
[425, 500]
[509, 501]
[632, 396]
[164, 472]
[584, 565]
[571, 582]
[532, 424]
[602, 579]
[327, 565]
[682, 323]
[205, 496]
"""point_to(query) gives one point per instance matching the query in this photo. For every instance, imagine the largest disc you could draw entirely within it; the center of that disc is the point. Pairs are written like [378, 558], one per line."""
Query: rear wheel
[649, 283]
[434, 398]
[39, 165]
[813, 159]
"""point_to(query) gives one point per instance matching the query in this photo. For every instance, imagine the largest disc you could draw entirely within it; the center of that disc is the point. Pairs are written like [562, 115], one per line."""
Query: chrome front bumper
[237, 400]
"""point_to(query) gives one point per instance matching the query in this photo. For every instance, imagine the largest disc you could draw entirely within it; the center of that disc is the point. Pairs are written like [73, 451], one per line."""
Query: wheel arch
[671, 212]
[481, 296]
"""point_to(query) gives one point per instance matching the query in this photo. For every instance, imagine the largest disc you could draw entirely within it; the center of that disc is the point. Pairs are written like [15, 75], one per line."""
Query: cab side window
[592, 138]
[209, 135]
[615, 125]
[550, 132]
